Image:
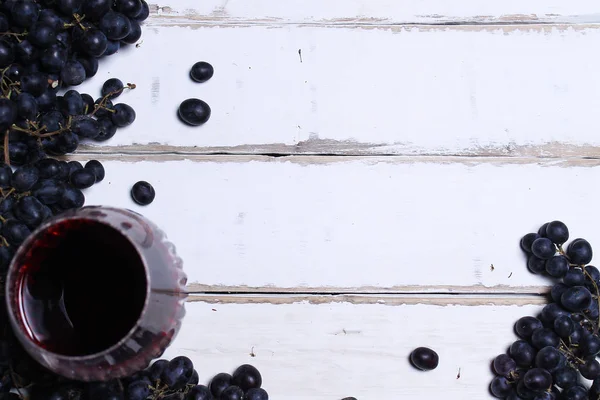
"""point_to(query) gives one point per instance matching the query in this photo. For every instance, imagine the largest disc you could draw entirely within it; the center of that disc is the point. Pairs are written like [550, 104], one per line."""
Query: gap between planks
[407, 290]
[133, 157]
[504, 27]
[363, 299]
[160, 14]
[316, 147]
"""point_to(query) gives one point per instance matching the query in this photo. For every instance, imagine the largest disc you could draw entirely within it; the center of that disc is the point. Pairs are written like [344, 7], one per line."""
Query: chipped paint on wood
[355, 224]
[393, 300]
[513, 91]
[344, 349]
[383, 11]
[413, 290]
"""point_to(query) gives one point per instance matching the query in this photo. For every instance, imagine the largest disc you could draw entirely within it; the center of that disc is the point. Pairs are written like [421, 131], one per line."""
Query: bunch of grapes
[174, 379]
[46, 47]
[558, 348]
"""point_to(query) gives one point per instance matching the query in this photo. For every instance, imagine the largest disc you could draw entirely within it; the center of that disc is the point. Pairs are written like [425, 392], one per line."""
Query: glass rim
[11, 284]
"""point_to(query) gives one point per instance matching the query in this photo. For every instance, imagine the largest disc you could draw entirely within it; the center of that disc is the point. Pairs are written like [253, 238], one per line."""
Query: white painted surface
[303, 352]
[380, 11]
[372, 223]
[417, 90]
[509, 80]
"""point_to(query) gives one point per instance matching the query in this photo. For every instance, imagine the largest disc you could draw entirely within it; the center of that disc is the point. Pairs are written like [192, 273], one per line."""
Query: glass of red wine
[96, 293]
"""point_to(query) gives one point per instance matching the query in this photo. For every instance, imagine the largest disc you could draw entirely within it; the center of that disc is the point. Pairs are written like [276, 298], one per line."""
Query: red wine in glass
[96, 293]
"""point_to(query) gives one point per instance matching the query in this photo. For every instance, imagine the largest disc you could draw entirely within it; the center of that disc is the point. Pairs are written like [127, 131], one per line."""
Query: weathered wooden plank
[331, 351]
[335, 12]
[512, 90]
[360, 225]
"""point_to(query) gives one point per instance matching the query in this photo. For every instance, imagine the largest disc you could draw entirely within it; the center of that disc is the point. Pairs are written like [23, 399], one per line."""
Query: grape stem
[597, 299]
[6, 152]
[567, 352]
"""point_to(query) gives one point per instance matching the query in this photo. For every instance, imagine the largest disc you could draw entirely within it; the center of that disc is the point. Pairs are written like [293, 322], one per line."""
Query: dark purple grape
[247, 376]
[123, 115]
[135, 33]
[97, 168]
[536, 265]
[552, 311]
[525, 326]
[549, 358]
[70, 104]
[68, 7]
[156, 369]
[590, 370]
[219, 383]
[194, 112]
[589, 345]
[53, 58]
[565, 377]
[48, 191]
[27, 106]
[523, 353]
[564, 326]
[537, 379]
[35, 83]
[557, 232]
[7, 54]
[261, 394]
[203, 71]
[130, 8]
[25, 52]
[574, 277]
[504, 365]
[5, 176]
[83, 178]
[95, 9]
[575, 392]
[178, 372]
[422, 358]
[42, 35]
[138, 390]
[85, 127]
[8, 113]
[144, 14]
[15, 232]
[557, 266]
[93, 42]
[106, 128]
[112, 88]
[543, 248]
[24, 178]
[232, 393]
[143, 193]
[24, 13]
[576, 298]
[90, 64]
[199, 392]
[112, 47]
[500, 387]
[579, 252]
[544, 337]
[71, 198]
[115, 25]
[29, 210]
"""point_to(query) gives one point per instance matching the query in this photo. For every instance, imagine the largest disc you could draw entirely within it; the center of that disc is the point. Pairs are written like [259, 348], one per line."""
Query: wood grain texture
[334, 12]
[365, 225]
[511, 90]
[331, 351]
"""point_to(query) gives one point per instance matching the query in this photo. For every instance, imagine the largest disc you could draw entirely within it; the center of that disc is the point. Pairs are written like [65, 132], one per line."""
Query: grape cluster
[558, 348]
[174, 379]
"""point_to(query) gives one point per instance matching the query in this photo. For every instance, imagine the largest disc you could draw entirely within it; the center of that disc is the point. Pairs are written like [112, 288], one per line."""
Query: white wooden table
[365, 166]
